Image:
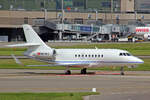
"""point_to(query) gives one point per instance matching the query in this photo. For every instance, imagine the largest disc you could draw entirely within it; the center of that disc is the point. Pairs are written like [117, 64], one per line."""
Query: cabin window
[95, 55]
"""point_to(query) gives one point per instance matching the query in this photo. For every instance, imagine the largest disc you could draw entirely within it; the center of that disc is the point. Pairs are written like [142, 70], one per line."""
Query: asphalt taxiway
[132, 86]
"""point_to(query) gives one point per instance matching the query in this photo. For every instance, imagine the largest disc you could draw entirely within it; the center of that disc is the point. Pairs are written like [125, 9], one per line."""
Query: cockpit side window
[124, 54]
[128, 54]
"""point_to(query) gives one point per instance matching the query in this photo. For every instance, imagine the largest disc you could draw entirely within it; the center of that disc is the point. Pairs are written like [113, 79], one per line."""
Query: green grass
[134, 48]
[10, 64]
[44, 96]
[9, 51]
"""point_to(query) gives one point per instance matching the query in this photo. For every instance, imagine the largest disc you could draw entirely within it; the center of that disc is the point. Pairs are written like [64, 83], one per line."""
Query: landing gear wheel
[122, 71]
[83, 71]
[68, 72]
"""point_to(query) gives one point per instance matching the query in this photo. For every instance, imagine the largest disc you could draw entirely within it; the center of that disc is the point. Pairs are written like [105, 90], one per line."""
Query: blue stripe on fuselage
[87, 62]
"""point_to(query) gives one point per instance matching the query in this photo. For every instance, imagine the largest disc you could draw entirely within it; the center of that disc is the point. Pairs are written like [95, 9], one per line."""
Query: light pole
[45, 11]
[45, 14]
[96, 15]
[112, 5]
[62, 8]
[62, 20]
[135, 15]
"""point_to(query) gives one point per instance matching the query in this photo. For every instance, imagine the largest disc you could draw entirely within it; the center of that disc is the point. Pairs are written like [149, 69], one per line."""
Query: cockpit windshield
[124, 54]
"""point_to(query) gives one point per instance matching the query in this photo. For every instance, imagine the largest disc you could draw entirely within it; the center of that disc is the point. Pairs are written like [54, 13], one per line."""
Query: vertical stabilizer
[31, 36]
[36, 47]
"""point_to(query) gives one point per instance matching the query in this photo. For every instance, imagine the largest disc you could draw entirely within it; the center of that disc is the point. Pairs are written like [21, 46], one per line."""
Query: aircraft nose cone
[140, 61]
[137, 60]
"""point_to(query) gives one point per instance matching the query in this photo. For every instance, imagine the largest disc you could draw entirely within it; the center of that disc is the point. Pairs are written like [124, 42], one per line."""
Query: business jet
[82, 58]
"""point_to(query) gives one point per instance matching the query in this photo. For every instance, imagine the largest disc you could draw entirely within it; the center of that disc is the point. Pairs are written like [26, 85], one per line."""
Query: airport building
[81, 18]
[77, 5]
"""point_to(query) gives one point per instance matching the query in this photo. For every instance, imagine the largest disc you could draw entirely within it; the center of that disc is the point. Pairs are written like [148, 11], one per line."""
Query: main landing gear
[122, 71]
[83, 71]
[68, 72]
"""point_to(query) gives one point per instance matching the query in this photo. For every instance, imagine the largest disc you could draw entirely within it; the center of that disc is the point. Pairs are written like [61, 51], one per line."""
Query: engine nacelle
[45, 55]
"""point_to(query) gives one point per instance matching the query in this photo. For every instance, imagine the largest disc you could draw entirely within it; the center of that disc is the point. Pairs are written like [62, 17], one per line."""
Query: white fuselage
[92, 57]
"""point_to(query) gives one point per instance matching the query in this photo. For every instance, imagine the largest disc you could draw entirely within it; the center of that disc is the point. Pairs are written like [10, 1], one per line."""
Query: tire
[83, 71]
[68, 72]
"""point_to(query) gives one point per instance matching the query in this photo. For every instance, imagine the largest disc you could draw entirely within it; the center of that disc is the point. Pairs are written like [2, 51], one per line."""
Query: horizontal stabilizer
[16, 59]
[24, 45]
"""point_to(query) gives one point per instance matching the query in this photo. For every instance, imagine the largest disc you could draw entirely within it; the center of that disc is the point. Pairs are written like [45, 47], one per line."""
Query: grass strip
[134, 48]
[45, 96]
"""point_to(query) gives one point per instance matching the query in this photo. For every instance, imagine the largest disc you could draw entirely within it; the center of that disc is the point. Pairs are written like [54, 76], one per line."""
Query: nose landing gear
[122, 71]
[67, 71]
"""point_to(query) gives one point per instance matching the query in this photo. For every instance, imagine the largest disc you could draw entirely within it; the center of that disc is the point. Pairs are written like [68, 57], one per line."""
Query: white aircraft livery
[83, 58]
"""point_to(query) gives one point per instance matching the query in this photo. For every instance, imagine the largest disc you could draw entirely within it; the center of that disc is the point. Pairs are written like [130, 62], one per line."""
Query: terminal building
[79, 19]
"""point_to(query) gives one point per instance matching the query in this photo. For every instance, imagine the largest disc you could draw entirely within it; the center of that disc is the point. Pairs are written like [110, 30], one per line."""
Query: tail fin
[34, 42]
[32, 38]
[35, 46]
[31, 35]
